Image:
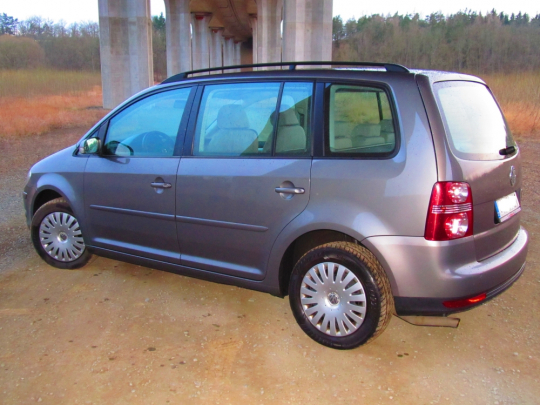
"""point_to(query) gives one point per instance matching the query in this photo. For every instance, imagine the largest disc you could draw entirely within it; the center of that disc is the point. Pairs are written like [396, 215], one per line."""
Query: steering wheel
[118, 149]
[156, 142]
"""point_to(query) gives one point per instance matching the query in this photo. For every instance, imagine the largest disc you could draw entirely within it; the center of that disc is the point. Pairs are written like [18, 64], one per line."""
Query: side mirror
[90, 146]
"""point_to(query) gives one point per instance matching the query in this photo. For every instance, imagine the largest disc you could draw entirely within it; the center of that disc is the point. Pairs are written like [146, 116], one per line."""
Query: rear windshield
[474, 123]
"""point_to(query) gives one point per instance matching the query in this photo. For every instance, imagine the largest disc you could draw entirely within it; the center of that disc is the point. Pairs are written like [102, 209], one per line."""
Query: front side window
[474, 123]
[149, 127]
[236, 119]
[360, 121]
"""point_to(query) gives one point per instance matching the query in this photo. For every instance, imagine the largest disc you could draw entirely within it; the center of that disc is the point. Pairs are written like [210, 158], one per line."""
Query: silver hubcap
[61, 237]
[333, 299]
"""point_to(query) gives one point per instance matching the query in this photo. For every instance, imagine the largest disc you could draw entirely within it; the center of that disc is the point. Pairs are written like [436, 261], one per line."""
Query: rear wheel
[57, 236]
[340, 295]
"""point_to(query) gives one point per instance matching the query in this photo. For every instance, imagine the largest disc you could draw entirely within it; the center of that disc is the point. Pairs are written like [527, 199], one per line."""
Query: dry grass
[519, 97]
[33, 101]
[36, 82]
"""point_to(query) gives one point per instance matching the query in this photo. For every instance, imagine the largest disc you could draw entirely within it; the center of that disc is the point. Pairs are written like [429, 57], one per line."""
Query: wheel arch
[43, 197]
[53, 185]
[301, 245]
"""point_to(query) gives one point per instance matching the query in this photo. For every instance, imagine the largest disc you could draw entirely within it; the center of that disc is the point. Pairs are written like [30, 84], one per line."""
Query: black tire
[58, 205]
[379, 301]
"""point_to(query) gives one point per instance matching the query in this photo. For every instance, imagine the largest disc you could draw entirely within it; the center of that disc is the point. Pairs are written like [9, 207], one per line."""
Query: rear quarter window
[475, 126]
[360, 122]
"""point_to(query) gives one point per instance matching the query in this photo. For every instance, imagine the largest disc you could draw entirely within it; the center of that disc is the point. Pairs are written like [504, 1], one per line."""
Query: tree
[159, 47]
[337, 28]
[19, 52]
[8, 24]
[158, 23]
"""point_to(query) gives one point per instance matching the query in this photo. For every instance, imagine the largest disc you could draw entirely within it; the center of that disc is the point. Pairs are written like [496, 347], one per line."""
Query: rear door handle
[290, 190]
[161, 185]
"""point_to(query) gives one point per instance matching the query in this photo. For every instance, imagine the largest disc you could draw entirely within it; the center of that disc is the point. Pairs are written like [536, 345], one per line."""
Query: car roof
[315, 70]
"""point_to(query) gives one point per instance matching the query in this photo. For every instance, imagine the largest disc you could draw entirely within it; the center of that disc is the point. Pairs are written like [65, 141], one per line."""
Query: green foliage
[66, 47]
[158, 23]
[8, 24]
[159, 47]
[337, 28]
[465, 41]
[18, 52]
[71, 53]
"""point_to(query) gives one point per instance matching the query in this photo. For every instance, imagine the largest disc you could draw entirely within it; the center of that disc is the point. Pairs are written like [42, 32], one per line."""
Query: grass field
[37, 101]
[45, 82]
[519, 97]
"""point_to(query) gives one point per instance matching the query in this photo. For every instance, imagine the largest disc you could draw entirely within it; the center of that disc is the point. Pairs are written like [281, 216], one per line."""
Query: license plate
[507, 207]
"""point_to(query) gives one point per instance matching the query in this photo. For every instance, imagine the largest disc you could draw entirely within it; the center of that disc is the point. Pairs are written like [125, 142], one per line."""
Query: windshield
[475, 126]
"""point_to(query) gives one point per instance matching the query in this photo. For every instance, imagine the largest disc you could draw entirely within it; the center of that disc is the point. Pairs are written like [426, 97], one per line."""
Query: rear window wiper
[507, 151]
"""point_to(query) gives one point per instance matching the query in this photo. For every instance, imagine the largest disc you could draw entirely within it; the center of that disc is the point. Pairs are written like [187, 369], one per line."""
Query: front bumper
[423, 274]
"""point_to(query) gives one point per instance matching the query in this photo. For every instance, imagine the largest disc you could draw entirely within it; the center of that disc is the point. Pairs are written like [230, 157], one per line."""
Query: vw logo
[513, 176]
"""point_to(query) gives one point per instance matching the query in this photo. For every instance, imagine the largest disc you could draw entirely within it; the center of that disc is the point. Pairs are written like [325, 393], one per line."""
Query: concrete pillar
[125, 39]
[307, 30]
[228, 52]
[201, 40]
[178, 29]
[253, 21]
[216, 47]
[237, 53]
[269, 14]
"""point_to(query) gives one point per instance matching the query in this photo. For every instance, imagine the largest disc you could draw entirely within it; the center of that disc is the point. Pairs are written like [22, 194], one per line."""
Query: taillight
[450, 214]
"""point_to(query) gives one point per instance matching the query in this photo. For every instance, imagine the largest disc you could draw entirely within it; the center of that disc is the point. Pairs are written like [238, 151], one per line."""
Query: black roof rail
[390, 67]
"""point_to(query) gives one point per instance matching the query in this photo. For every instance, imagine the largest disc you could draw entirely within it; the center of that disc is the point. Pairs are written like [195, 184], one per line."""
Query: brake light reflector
[465, 302]
[457, 192]
[456, 225]
[450, 214]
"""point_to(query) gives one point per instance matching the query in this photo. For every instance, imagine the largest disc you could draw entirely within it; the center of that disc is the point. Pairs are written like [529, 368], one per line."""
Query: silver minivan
[359, 192]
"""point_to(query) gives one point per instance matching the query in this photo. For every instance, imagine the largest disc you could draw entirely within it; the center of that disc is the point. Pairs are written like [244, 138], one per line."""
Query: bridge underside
[207, 33]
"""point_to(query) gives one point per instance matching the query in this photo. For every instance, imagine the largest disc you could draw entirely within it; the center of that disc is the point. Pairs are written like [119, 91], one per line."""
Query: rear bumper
[424, 274]
[434, 306]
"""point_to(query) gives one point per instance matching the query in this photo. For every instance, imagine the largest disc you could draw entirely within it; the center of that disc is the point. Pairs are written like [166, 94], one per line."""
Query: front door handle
[290, 190]
[161, 185]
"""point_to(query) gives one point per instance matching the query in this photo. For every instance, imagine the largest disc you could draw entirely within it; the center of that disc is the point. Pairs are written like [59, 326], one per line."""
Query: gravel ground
[115, 333]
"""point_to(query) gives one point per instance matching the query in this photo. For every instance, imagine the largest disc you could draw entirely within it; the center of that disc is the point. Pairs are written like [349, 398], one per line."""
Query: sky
[87, 10]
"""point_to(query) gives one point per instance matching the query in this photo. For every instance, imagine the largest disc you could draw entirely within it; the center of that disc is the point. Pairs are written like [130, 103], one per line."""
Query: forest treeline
[39, 42]
[465, 41]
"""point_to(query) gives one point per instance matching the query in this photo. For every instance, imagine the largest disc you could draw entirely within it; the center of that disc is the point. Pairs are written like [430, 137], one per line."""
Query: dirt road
[115, 333]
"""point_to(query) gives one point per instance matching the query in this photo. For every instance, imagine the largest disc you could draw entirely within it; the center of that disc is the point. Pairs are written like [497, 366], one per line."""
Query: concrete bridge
[207, 33]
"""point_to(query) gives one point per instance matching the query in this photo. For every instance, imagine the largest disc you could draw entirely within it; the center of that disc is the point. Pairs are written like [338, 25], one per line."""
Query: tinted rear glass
[474, 123]
[360, 121]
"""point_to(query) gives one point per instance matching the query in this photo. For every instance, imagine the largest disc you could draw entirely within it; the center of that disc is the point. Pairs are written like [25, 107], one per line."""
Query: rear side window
[474, 124]
[360, 121]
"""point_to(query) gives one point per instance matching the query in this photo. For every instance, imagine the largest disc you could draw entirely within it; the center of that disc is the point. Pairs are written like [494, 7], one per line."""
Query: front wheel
[340, 295]
[57, 236]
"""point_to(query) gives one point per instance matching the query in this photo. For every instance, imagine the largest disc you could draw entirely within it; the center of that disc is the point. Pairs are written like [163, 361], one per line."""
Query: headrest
[232, 116]
[387, 125]
[288, 117]
[367, 130]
